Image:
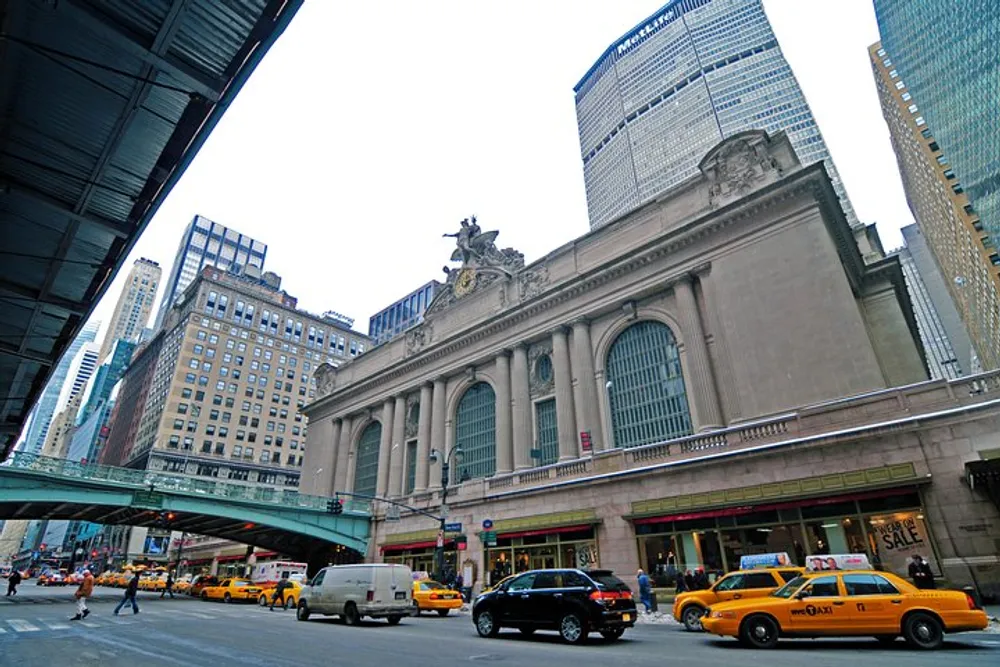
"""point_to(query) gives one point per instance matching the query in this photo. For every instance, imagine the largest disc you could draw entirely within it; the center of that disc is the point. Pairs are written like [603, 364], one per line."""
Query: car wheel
[227, 598]
[527, 632]
[394, 620]
[691, 616]
[302, 613]
[416, 608]
[759, 631]
[486, 624]
[572, 629]
[885, 639]
[443, 612]
[290, 603]
[923, 631]
[262, 600]
[351, 615]
[612, 634]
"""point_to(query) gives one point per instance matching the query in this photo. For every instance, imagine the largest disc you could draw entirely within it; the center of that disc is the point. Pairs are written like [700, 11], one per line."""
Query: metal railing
[154, 481]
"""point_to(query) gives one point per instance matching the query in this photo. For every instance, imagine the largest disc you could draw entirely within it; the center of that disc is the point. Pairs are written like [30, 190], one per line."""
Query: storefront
[887, 525]
[572, 546]
[417, 551]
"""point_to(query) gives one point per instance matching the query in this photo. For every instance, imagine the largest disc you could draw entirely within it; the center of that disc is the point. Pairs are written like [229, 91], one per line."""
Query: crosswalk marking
[21, 625]
[89, 624]
[55, 625]
[2, 631]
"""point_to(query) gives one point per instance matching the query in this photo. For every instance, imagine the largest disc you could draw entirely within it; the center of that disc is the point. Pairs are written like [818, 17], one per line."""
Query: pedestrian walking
[645, 590]
[85, 590]
[279, 592]
[131, 590]
[169, 587]
[921, 574]
[12, 582]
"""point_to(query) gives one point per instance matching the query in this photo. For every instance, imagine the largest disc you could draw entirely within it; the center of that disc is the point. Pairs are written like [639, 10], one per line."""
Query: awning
[984, 476]
[547, 531]
[395, 548]
[229, 559]
[750, 509]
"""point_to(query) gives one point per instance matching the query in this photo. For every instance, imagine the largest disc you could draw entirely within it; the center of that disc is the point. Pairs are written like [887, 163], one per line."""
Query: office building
[135, 303]
[946, 54]
[953, 230]
[45, 409]
[403, 314]
[82, 367]
[108, 374]
[233, 365]
[662, 95]
[207, 243]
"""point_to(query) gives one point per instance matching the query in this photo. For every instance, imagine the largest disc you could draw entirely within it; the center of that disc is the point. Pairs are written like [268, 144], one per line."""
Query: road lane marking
[21, 625]
[89, 624]
[55, 625]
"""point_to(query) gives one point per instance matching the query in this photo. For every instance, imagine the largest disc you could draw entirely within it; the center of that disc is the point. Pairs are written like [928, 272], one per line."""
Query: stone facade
[767, 304]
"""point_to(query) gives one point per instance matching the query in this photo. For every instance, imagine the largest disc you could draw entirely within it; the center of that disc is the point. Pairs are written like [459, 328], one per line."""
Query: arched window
[366, 463]
[475, 432]
[646, 387]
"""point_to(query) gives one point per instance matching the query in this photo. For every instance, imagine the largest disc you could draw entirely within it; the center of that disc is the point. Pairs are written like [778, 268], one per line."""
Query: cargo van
[354, 592]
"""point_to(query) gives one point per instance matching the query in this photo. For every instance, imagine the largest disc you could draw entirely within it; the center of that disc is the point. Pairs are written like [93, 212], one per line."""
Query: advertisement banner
[837, 562]
[751, 561]
[894, 539]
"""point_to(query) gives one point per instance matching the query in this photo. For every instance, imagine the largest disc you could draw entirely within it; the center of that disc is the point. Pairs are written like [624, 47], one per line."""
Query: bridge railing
[159, 481]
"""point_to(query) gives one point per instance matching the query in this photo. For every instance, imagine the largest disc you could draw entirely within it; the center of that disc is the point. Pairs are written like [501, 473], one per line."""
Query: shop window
[366, 470]
[894, 538]
[646, 387]
[834, 536]
[548, 431]
[890, 503]
[475, 429]
[833, 509]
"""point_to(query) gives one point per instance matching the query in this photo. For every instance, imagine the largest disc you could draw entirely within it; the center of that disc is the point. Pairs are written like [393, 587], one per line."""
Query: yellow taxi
[429, 595]
[182, 586]
[847, 602]
[291, 593]
[232, 590]
[155, 582]
[759, 575]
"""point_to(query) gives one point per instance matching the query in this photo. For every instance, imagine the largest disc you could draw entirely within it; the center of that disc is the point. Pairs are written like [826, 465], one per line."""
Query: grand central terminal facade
[729, 369]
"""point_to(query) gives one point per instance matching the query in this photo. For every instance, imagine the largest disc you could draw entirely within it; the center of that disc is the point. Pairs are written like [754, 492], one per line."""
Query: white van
[354, 592]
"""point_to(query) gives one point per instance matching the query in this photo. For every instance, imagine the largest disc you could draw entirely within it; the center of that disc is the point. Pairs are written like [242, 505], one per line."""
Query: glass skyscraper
[207, 243]
[946, 54]
[44, 410]
[660, 97]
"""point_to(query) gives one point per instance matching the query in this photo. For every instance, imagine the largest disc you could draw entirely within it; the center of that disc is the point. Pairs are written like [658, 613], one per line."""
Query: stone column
[587, 411]
[424, 437]
[565, 412]
[397, 450]
[505, 442]
[437, 431]
[521, 407]
[324, 486]
[345, 470]
[701, 383]
[384, 448]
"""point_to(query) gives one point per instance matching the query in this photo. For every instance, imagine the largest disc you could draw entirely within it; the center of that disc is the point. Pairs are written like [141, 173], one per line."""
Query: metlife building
[662, 95]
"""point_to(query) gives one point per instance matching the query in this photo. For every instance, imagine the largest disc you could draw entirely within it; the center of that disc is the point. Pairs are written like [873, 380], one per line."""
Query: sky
[372, 128]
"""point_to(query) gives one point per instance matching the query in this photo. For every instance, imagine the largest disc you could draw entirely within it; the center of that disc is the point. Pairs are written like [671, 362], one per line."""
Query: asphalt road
[35, 631]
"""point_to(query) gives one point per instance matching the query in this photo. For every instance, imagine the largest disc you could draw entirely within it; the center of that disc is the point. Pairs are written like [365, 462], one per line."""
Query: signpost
[487, 524]
[453, 528]
[489, 539]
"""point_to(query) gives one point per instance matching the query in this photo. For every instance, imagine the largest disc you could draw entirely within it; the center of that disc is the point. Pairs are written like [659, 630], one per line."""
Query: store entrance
[542, 558]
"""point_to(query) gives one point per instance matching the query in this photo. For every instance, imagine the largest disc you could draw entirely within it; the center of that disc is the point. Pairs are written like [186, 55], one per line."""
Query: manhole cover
[486, 657]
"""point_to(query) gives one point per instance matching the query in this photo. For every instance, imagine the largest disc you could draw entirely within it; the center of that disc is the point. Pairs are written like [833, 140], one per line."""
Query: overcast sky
[372, 128]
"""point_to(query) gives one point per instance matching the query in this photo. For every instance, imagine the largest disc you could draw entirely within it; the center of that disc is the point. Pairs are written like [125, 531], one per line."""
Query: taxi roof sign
[421, 575]
[837, 562]
[757, 561]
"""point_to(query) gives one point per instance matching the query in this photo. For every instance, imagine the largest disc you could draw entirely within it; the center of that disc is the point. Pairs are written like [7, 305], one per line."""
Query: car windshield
[608, 581]
[241, 583]
[789, 589]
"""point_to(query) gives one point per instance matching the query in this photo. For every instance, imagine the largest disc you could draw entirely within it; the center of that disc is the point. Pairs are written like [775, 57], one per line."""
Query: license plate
[401, 595]
[626, 617]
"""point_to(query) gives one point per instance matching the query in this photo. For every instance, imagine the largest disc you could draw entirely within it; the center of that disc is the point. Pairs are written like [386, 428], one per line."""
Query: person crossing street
[85, 590]
[279, 592]
[131, 590]
[12, 581]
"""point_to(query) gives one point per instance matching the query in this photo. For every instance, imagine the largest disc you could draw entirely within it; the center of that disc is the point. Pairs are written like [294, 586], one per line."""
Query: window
[186, 393]
[868, 584]
[548, 432]
[411, 466]
[241, 435]
[182, 408]
[210, 429]
[522, 583]
[646, 388]
[265, 456]
[252, 437]
[237, 451]
[206, 447]
[188, 444]
[476, 429]
[823, 587]
[174, 442]
[759, 580]
[178, 424]
[276, 457]
[734, 582]
[366, 470]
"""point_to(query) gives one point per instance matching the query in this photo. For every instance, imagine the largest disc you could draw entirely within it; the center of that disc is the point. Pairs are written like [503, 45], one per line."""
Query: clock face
[465, 282]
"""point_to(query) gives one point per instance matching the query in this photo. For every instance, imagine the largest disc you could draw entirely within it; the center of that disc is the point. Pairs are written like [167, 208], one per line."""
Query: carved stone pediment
[532, 281]
[326, 379]
[738, 166]
[418, 338]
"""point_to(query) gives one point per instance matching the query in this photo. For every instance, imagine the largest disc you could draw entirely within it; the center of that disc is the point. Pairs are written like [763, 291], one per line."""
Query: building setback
[135, 303]
[953, 230]
[709, 376]
[691, 74]
[401, 315]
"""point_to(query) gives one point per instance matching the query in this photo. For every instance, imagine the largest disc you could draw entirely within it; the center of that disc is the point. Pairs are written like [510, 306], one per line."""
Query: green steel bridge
[282, 520]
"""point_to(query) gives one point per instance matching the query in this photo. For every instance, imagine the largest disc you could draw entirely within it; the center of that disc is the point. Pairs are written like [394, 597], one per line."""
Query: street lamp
[457, 453]
[315, 475]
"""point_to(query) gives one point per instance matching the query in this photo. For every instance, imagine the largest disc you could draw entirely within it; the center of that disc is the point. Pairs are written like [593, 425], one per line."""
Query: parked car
[431, 596]
[200, 582]
[292, 593]
[572, 602]
[231, 590]
[690, 606]
[354, 592]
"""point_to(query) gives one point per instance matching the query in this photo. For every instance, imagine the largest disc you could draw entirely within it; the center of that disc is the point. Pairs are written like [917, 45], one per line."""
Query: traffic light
[334, 506]
[164, 519]
[461, 542]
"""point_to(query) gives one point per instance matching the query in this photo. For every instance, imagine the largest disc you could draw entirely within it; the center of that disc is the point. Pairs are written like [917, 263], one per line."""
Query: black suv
[574, 602]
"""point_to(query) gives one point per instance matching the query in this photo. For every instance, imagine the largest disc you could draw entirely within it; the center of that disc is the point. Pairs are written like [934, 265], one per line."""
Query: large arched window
[475, 432]
[366, 463]
[646, 387]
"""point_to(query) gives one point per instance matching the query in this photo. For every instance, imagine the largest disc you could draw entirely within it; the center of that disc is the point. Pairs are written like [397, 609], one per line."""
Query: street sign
[487, 524]
[453, 528]
[392, 513]
[490, 539]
